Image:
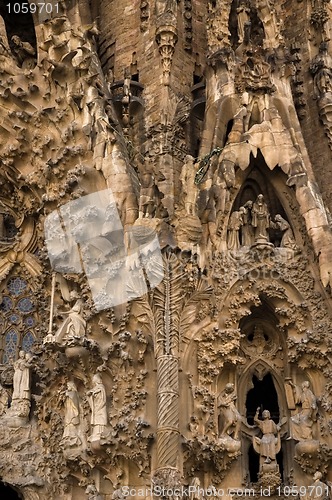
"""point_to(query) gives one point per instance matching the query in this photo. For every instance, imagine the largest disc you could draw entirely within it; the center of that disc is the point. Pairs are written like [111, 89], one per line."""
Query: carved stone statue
[74, 325]
[92, 493]
[318, 490]
[321, 68]
[189, 187]
[70, 436]
[287, 240]
[195, 487]
[97, 400]
[148, 199]
[234, 226]
[269, 444]
[302, 422]
[22, 377]
[260, 220]
[20, 406]
[24, 52]
[118, 495]
[231, 418]
[243, 17]
[247, 231]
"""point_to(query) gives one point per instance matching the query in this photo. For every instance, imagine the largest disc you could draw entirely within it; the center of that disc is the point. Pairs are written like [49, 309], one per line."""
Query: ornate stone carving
[166, 37]
[302, 422]
[19, 410]
[230, 416]
[97, 401]
[71, 440]
[145, 14]
[187, 21]
[267, 447]
[321, 69]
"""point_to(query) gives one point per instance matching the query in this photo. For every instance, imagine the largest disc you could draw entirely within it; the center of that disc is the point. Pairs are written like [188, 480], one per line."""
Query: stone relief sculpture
[303, 421]
[97, 401]
[229, 415]
[60, 139]
[321, 69]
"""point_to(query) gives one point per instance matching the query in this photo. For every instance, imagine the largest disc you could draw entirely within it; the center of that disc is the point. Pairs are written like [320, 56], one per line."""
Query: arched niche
[260, 386]
[259, 179]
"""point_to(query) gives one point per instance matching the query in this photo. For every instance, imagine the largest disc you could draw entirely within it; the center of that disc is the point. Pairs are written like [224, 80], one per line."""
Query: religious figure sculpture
[231, 418]
[287, 240]
[321, 68]
[70, 436]
[22, 377]
[24, 52]
[19, 410]
[118, 495]
[195, 489]
[189, 187]
[258, 343]
[247, 232]
[260, 220]
[97, 401]
[74, 325]
[269, 444]
[302, 422]
[92, 493]
[234, 225]
[243, 17]
[148, 198]
[318, 490]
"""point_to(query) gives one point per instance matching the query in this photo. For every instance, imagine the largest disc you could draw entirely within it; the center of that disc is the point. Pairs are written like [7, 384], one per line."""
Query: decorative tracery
[17, 319]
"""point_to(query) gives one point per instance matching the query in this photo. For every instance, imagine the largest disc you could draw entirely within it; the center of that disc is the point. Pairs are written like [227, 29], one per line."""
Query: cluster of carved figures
[250, 224]
[220, 369]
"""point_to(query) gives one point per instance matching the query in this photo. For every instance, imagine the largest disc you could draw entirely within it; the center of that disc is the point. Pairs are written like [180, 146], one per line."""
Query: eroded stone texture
[165, 248]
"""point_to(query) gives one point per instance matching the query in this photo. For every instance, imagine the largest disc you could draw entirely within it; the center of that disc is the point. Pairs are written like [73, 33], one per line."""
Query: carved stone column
[167, 301]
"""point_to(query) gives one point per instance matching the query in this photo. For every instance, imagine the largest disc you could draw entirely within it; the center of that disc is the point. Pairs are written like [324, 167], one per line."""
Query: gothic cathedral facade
[181, 350]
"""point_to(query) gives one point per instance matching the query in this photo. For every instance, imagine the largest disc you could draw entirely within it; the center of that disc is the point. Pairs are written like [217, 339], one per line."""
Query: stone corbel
[166, 37]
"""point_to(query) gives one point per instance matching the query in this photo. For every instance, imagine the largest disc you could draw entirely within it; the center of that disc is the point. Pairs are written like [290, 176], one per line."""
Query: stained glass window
[16, 286]
[27, 342]
[25, 305]
[10, 347]
[29, 321]
[17, 319]
[6, 304]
